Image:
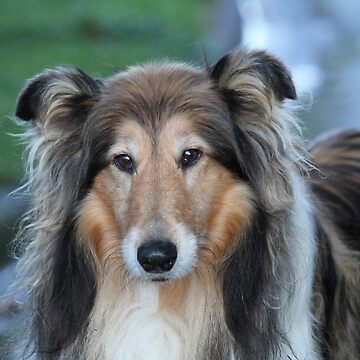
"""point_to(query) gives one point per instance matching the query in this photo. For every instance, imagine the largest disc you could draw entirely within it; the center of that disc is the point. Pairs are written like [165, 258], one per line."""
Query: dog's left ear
[257, 70]
[58, 99]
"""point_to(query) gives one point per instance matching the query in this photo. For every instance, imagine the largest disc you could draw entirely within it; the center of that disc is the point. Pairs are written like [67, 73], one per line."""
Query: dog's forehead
[152, 94]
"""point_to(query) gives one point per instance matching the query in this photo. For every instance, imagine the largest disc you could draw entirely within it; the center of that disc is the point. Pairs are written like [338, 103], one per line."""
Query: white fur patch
[129, 252]
[187, 247]
[143, 332]
[128, 322]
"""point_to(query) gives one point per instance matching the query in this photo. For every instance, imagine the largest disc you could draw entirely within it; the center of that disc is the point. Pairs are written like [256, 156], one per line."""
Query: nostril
[157, 256]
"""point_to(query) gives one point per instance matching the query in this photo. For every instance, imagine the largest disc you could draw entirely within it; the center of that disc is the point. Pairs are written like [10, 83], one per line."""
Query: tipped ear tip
[292, 95]
[23, 110]
[29, 98]
[217, 69]
[272, 71]
[282, 81]
[288, 90]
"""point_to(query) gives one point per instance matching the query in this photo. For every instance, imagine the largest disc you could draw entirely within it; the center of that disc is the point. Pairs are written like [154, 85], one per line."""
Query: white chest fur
[131, 325]
[144, 332]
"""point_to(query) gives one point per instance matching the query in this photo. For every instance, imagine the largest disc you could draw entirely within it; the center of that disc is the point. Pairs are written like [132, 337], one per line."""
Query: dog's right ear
[59, 98]
[247, 74]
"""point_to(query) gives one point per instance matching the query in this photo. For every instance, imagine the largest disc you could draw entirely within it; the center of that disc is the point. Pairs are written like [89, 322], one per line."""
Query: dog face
[166, 200]
[165, 186]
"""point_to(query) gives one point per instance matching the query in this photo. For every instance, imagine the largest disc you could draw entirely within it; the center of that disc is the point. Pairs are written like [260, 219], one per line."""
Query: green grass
[99, 37]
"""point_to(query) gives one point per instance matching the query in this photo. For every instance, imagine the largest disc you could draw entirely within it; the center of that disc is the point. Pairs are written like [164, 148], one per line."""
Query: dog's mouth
[161, 280]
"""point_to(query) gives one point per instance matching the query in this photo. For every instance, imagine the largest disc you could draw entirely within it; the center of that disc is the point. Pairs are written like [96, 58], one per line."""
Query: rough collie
[177, 215]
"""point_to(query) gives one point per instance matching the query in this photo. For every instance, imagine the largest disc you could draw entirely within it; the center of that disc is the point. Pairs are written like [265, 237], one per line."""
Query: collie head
[160, 176]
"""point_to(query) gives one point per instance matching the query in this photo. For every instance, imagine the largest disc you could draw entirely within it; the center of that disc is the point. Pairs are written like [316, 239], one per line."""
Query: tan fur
[97, 224]
[172, 295]
[227, 219]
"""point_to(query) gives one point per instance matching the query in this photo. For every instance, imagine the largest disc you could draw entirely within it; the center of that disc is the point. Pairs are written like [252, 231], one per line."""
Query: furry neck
[146, 320]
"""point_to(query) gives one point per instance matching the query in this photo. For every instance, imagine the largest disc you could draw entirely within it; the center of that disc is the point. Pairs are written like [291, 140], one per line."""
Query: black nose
[157, 256]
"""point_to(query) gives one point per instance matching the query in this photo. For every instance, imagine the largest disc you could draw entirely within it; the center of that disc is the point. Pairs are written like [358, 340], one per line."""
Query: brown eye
[190, 157]
[124, 163]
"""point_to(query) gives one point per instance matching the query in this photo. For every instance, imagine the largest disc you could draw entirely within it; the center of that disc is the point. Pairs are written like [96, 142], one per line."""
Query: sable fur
[268, 265]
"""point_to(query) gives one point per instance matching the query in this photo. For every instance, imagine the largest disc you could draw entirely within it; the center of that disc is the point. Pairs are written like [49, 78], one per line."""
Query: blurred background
[318, 39]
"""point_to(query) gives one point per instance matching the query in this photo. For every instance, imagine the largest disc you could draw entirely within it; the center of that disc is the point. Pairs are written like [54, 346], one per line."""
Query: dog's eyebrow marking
[130, 138]
[124, 146]
[180, 132]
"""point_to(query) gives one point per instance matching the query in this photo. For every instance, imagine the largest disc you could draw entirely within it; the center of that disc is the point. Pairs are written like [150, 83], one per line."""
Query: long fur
[268, 249]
